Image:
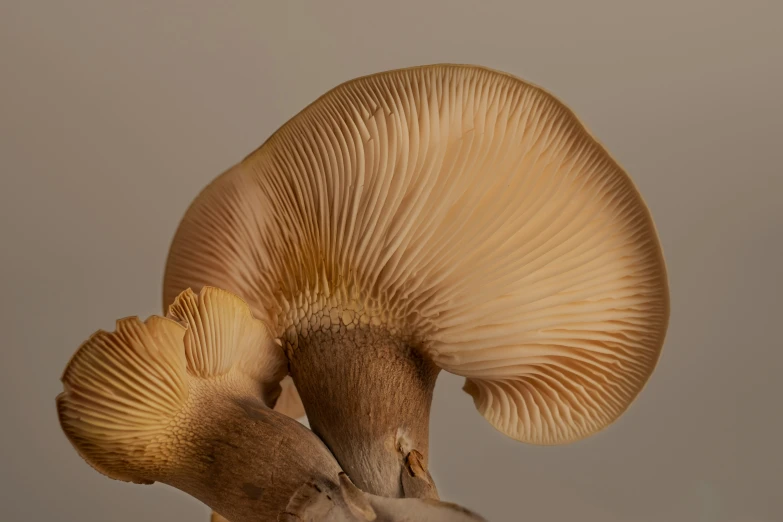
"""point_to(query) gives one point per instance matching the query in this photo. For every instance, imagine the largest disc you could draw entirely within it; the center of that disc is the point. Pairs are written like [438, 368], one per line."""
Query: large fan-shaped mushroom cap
[460, 208]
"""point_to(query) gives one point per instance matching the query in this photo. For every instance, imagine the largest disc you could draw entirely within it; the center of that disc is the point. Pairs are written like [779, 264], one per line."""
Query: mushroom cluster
[434, 218]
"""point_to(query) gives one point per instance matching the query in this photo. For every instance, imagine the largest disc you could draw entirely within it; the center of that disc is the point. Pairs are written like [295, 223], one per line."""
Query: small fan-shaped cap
[132, 396]
[464, 209]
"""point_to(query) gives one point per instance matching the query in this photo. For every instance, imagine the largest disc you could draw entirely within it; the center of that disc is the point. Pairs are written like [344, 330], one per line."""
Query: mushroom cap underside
[132, 397]
[464, 209]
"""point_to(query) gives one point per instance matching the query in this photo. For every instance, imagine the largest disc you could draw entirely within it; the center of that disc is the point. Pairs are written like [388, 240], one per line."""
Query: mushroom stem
[247, 460]
[287, 404]
[367, 394]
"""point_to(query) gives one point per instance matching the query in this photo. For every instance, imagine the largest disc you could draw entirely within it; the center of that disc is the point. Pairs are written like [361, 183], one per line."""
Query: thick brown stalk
[367, 395]
[288, 404]
[247, 461]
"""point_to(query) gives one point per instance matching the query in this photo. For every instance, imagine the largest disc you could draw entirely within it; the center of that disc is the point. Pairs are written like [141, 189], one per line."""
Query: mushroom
[177, 400]
[435, 218]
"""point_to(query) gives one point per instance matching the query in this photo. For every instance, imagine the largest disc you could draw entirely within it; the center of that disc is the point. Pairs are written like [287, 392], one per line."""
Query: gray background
[113, 115]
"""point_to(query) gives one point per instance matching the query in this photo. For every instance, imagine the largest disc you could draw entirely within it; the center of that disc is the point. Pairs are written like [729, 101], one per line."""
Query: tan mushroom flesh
[440, 217]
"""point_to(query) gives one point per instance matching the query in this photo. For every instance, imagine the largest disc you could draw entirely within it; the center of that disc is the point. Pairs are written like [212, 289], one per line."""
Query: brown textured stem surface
[367, 394]
[247, 461]
[288, 404]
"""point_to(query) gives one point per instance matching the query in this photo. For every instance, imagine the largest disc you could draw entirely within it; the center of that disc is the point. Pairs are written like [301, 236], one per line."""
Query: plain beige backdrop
[113, 115]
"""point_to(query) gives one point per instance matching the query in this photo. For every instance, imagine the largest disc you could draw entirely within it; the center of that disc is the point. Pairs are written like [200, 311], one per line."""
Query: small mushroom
[439, 217]
[178, 400]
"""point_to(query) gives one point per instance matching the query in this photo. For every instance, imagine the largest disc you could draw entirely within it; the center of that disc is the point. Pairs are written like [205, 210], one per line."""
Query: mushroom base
[367, 394]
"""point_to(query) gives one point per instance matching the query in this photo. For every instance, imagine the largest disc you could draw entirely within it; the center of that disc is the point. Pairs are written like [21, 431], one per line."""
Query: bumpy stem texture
[248, 461]
[367, 395]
